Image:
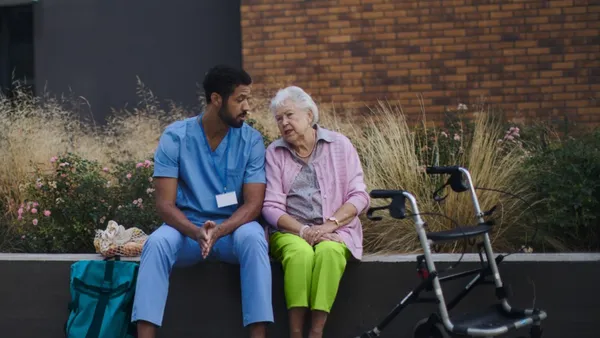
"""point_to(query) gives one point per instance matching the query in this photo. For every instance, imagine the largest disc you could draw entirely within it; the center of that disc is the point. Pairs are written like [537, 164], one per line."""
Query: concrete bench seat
[205, 299]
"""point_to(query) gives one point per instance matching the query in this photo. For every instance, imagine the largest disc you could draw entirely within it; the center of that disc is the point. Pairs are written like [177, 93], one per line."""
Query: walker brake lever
[373, 209]
[491, 211]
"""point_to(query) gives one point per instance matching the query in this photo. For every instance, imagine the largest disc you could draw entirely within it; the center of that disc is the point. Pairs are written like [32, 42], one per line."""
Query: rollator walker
[500, 318]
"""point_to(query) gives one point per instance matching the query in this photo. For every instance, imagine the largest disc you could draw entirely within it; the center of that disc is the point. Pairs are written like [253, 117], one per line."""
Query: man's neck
[214, 127]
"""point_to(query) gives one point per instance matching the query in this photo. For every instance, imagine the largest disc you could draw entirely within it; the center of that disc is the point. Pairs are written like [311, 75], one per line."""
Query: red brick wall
[532, 57]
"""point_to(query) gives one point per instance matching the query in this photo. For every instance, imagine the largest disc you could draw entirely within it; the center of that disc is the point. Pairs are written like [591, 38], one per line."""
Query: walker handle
[379, 193]
[442, 170]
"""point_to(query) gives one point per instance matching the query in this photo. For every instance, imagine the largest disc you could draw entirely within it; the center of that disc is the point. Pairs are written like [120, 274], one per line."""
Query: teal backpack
[101, 299]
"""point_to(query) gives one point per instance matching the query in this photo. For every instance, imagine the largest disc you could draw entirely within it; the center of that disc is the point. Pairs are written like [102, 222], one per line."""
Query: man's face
[235, 110]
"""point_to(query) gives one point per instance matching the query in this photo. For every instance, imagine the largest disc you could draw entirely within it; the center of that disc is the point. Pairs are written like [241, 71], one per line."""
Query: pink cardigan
[340, 177]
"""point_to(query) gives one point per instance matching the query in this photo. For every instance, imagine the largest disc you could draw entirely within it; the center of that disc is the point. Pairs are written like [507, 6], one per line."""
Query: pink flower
[34, 211]
[20, 211]
[139, 165]
[105, 169]
[128, 176]
[47, 213]
[35, 221]
[147, 163]
[135, 201]
[456, 137]
[35, 204]
[53, 159]
[20, 217]
[513, 131]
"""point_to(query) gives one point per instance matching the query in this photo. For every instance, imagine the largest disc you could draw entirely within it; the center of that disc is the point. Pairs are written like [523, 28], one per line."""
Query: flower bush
[133, 195]
[66, 204]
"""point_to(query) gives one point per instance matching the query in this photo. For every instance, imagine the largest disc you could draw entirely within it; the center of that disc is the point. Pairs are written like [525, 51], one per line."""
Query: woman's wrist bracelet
[302, 230]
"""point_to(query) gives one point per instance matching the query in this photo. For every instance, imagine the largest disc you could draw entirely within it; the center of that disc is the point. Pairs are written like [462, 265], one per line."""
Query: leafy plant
[67, 204]
[566, 180]
[133, 196]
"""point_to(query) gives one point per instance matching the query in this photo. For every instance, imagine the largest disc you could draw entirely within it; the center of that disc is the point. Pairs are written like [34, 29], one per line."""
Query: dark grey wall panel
[205, 301]
[97, 48]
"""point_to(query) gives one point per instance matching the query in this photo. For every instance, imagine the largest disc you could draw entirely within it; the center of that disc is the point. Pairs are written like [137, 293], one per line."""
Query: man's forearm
[175, 218]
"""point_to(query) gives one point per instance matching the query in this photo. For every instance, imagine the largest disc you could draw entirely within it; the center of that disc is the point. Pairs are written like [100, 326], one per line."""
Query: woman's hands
[309, 234]
[318, 233]
[330, 237]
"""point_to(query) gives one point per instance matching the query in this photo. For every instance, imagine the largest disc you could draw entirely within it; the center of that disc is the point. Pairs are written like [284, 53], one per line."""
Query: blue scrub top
[183, 153]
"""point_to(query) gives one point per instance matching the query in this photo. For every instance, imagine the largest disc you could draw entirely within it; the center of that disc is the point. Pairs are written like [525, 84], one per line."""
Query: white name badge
[225, 200]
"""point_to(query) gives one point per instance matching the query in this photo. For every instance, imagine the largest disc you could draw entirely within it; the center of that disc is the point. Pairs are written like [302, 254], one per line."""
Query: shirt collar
[322, 134]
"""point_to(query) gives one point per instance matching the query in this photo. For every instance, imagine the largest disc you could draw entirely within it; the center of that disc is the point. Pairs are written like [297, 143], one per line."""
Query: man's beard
[227, 119]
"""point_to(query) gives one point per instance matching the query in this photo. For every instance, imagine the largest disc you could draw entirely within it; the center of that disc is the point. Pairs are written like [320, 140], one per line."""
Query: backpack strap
[132, 327]
[94, 330]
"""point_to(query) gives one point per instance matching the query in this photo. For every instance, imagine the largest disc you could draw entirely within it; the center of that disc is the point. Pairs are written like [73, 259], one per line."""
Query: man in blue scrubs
[210, 183]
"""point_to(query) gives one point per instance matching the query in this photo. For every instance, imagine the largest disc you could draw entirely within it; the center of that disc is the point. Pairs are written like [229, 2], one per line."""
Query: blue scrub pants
[166, 247]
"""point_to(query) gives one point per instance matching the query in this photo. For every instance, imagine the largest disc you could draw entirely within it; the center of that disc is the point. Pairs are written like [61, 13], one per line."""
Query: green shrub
[66, 205]
[133, 196]
[566, 181]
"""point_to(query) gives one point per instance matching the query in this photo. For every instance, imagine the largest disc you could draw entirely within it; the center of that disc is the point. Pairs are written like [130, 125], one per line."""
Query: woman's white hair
[298, 97]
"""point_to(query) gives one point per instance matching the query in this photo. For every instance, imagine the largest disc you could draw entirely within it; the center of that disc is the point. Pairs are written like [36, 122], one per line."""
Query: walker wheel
[425, 330]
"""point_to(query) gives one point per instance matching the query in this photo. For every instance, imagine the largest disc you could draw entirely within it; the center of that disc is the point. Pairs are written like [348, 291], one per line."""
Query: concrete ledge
[205, 299]
[392, 258]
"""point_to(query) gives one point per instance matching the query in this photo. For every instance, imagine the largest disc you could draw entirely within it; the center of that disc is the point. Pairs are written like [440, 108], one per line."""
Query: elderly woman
[315, 192]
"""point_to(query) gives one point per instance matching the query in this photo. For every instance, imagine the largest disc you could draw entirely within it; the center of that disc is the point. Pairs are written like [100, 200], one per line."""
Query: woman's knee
[331, 250]
[303, 253]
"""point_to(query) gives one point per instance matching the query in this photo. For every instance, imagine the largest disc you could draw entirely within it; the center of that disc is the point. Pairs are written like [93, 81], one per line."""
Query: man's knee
[250, 235]
[163, 241]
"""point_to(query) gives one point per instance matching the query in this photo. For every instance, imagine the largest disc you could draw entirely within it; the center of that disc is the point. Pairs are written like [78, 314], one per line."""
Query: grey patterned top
[304, 199]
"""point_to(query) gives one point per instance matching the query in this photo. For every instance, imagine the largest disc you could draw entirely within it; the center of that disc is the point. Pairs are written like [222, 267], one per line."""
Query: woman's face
[293, 123]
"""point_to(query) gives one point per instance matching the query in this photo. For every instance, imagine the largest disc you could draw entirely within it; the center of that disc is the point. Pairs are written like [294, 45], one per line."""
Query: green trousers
[311, 274]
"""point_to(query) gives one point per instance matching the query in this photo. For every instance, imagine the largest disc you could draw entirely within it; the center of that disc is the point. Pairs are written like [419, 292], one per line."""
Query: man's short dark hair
[223, 80]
